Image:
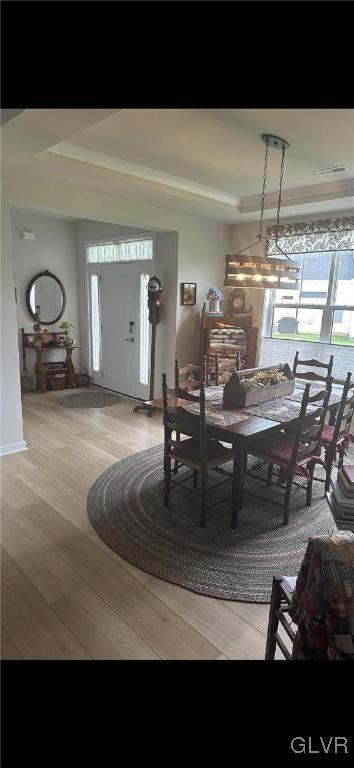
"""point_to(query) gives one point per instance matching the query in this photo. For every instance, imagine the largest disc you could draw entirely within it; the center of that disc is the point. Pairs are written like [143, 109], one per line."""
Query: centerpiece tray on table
[257, 385]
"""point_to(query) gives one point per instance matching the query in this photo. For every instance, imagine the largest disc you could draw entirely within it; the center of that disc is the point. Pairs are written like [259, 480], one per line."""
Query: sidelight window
[144, 334]
[95, 324]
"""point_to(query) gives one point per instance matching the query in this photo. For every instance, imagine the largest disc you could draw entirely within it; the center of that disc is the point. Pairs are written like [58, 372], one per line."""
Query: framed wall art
[188, 293]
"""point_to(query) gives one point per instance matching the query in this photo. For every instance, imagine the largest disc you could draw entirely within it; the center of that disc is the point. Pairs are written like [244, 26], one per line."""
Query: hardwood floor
[65, 595]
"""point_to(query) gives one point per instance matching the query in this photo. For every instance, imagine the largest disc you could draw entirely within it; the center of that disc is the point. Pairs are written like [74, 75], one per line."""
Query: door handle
[129, 340]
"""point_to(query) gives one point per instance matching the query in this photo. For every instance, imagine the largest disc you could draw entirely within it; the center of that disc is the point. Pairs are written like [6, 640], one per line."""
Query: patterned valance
[308, 236]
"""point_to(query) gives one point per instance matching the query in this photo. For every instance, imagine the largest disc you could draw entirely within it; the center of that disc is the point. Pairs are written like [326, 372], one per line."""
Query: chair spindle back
[310, 425]
[225, 366]
[189, 377]
[345, 411]
[312, 375]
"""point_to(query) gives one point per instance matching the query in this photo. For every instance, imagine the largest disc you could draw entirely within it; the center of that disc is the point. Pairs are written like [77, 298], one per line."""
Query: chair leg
[204, 498]
[234, 499]
[329, 465]
[175, 466]
[237, 483]
[273, 621]
[195, 478]
[167, 480]
[311, 469]
[287, 499]
[269, 473]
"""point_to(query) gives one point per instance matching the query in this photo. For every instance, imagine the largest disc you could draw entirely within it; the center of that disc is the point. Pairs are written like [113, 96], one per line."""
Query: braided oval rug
[125, 506]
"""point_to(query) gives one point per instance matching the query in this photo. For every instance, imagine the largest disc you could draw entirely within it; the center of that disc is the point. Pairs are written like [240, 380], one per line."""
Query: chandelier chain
[280, 189]
[264, 189]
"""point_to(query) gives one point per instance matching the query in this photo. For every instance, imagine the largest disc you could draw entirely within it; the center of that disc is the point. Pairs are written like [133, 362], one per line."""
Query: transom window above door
[128, 249]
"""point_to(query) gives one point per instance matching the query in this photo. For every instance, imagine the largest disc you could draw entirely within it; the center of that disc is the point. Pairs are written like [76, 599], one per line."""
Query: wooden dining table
[239, 425]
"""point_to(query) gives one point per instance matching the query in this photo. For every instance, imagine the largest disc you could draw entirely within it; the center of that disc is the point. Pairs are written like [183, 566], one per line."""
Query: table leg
[237, 482]
[70, 369]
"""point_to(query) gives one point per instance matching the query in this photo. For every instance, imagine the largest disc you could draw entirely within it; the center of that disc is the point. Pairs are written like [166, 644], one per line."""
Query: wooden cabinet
[228, 334]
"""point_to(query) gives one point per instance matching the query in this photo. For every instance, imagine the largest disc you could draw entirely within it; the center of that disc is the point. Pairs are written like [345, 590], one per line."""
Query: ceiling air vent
[332, 171]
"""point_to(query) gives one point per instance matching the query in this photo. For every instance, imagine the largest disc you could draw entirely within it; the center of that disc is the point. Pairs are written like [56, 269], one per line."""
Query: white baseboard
[13, 448]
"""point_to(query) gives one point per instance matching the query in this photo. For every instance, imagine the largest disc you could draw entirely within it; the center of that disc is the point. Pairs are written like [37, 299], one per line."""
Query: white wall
[202, 245]
[11, 410]
[54, 248]
[201, 260]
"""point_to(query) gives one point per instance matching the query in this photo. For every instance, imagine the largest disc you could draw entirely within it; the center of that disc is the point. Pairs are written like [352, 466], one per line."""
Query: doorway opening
[118, 275]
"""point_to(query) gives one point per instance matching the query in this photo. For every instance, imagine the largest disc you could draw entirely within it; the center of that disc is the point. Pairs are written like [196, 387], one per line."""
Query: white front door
[120, 338]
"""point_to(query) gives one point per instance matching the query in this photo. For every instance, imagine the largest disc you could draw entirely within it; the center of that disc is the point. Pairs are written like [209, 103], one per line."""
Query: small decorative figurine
[66, 325]
[37, 326]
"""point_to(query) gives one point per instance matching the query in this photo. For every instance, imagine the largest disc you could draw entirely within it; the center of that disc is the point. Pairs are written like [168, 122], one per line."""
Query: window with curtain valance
[320, 312]
[310, 236]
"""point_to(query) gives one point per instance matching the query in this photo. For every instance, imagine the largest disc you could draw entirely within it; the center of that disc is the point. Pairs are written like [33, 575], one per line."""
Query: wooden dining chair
[294, 452]
[312, 375]
[336, 436]
[196, 451]
[282, 592]
[225, 366]
[188, 377]
[218, 369]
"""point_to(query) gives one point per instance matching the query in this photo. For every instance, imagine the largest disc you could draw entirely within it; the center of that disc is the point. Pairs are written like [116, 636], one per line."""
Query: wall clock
[237, 300]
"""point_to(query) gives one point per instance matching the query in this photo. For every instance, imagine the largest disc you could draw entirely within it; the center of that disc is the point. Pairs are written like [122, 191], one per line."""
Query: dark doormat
[90, 400]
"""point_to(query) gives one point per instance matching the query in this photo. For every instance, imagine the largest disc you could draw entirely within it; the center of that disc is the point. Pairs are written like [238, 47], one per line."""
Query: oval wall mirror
[45, 298]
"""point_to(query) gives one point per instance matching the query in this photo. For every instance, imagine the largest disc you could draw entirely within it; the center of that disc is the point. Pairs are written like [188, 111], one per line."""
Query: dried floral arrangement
[263, 379]
[215, 294]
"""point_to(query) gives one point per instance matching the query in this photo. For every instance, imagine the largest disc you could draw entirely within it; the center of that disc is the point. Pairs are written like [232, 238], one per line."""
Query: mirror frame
[45, 273]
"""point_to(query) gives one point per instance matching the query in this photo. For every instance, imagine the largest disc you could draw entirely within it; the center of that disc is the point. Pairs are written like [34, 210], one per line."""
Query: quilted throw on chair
[323, 601]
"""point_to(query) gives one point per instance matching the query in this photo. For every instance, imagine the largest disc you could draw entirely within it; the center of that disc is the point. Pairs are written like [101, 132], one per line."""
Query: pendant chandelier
[260, 271]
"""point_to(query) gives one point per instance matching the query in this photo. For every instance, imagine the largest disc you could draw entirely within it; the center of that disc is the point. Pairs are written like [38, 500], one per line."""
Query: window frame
[328, 309]
[94, 370]
[120, 239]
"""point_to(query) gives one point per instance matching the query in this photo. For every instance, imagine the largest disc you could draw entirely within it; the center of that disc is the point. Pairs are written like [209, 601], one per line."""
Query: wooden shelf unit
[242, 321]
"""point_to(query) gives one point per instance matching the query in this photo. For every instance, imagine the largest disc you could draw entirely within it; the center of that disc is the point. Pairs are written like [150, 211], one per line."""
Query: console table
[44, 369]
